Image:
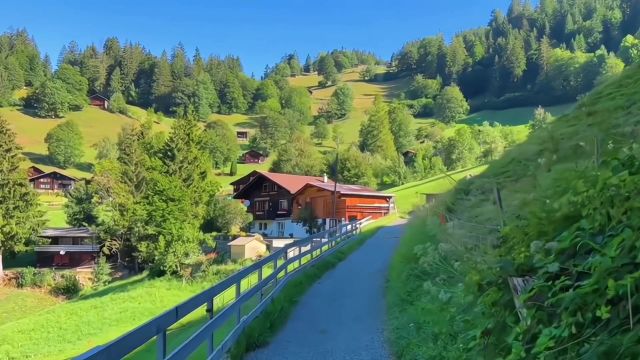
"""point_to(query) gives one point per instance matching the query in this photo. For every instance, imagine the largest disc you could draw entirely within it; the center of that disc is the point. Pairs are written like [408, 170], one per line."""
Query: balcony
[68, 248]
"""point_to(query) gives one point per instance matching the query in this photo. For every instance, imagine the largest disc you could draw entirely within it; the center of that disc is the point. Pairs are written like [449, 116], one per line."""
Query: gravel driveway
[342, 315]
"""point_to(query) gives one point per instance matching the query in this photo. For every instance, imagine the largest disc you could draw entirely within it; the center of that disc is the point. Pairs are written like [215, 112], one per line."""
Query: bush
[420, 107]
[26, 277]
[44, 278]
[101, 273]
[68, 286]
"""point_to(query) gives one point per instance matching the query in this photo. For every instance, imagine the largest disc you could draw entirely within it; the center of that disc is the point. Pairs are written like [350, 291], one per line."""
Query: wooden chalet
[67, 248]
[52, 181]
[353, 202]
[253, 157]
[276, 200]
[99, 101]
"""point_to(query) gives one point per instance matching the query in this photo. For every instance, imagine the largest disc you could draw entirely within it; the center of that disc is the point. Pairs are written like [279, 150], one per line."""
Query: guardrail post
[161, 344]
[299, 256]
[210, 343]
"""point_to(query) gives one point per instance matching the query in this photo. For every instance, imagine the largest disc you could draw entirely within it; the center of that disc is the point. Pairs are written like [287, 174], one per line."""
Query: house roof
[345, 189]
[51, 172]
[35, 168]
[98, 96]
[82, 232]
[291, 183]
[256, 152]
[244, 240]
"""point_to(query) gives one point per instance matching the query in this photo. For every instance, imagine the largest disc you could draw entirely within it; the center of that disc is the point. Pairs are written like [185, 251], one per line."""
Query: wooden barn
[52, 181]
[253, 157]
[99, 101]
[67, 248]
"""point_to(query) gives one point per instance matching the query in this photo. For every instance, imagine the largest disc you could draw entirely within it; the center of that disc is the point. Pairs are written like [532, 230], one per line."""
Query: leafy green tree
[225, 215]
[298, 157]
[233, 170]
[80, 208]
[541, 119]
[356, 167]
[297, 100]
[75, 85]
[339, 105]
[118, 105]
[461, 150]
[401, 126]
[451, 105]
[20, 214]
[309, 220]
[368, 73]
[221, 143]
[106, 149]
[629, 50]
[326, 68]
[231, 98]
[490, 140]
[375, 133]
[266, 90]
[65, 144]
[423, 88]
[321, 131]
[49, 99]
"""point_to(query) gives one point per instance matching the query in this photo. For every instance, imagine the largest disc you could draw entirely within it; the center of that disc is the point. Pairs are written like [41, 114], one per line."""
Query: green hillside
[570, 225]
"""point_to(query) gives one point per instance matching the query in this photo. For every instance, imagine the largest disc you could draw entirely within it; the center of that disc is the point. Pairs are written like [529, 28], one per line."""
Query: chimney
[324, 179]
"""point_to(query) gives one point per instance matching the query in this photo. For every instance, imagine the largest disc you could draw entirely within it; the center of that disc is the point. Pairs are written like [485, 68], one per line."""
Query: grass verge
[260, 332]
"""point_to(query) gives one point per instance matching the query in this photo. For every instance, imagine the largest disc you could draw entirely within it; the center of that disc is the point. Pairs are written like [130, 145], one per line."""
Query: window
[45, 186]
[265, 187]
[262, 205]
[283, 205]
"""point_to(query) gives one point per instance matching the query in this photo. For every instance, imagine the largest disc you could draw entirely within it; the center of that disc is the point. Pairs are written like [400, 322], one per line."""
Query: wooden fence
[254, 288]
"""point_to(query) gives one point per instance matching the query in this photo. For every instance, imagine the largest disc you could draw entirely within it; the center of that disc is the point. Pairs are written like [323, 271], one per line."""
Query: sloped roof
[82, 232]
[291, 183]
[51, 172]
[256, 152]
[244, 240]
[98, 96]
[346, 189]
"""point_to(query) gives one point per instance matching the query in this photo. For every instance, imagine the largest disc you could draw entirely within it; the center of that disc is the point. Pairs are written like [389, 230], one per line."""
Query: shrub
[44, 278]
[26, 277]
[101, 273]
[68, 286]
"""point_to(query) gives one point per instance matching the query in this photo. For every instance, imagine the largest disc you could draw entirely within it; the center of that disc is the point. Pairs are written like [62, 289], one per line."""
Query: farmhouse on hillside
[68, 247]
[253, 157]
[52, 181]
[99, 101]
[275, 201]
[247, 247]
[242, 135]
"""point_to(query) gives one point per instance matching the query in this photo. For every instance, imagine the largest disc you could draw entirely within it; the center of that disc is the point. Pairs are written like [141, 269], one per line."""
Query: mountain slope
[570, 226]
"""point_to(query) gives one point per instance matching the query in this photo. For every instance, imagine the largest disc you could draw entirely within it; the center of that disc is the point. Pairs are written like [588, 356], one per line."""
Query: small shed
[242, 135]
[247, 247]
[253, 157]
[100, 101]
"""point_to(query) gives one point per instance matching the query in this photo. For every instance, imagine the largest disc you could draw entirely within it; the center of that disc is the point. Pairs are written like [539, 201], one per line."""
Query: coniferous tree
[401, 126]
[375, 132]
[162, 83]
[20, 215]
[308, 65]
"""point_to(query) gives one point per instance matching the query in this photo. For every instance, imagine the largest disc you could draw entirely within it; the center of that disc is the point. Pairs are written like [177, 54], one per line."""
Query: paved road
[342, 315]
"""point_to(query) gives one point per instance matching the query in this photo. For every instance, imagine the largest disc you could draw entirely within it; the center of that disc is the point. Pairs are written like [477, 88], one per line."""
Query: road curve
[342, 315]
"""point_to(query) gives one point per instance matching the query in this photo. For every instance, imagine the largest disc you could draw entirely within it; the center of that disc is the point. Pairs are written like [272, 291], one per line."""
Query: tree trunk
[1, 268]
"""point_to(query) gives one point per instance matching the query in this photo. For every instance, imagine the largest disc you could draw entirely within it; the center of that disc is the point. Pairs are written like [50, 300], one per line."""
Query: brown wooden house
[67, 248]
[253, 157]
[52, 181]
[242, 135]
[99, 101]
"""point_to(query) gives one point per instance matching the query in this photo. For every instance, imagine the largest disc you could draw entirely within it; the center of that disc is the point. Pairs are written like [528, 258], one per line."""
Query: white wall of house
[281, 228]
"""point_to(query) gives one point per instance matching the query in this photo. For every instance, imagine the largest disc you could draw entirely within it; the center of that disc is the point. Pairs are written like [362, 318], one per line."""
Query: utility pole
[335, 183]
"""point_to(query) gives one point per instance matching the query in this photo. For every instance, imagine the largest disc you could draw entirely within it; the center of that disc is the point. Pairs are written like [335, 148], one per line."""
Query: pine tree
[162, 83]
[308, 65]
[183, 154]
[401, 126]
[20, 215]
[457, 59]
[375, 133]
[115, 82]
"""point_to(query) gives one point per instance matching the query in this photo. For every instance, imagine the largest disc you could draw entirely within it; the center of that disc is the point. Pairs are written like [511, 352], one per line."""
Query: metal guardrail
[285, 262]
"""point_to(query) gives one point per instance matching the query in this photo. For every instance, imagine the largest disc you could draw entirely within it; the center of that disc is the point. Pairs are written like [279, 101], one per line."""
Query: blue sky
[259, 31]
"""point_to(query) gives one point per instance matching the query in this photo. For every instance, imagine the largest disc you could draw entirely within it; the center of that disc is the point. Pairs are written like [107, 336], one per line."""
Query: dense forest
[545, 55]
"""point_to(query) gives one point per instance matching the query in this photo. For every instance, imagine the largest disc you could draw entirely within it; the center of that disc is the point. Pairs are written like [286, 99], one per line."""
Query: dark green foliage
[401, 126]
[79, 208]
[233, 171]
[19, 207]
[339, 105]
[49, 99]
[368, 73]
[45, 278]
[423, 88]
[64, 144]
[75, 85]
[375, 132]
[356, 168]
[67, 285]
[221, 143]
[297, 100]
[118, 105]
[101, 273]
[461, 149]
[225, 215]
[309, 220]
[451, 105]
[327, 69]
[321, 131]
[298, 157]
[26, 277]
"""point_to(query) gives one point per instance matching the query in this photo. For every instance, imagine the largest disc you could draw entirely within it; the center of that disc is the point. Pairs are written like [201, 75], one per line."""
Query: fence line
[285, 262]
